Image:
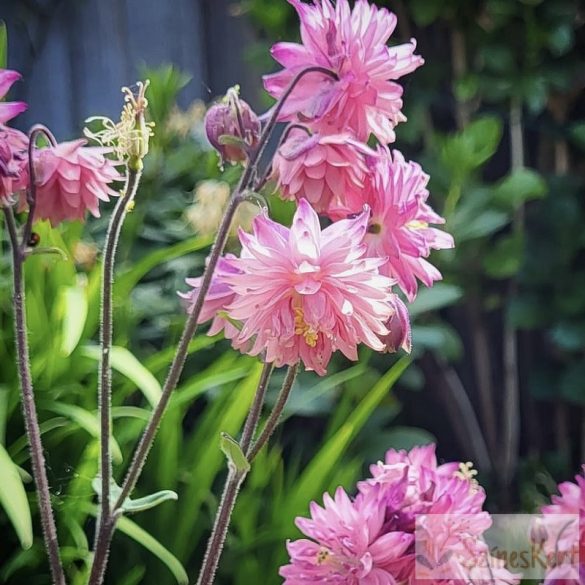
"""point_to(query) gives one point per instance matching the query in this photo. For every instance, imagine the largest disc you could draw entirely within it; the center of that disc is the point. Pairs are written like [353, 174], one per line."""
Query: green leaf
[3, 45]
[126, 363]
[234, 453]
[505, 258]
[150, 543]
[74, 309]
[439, 337]
[127, 281]
[432, 299]
[577, 134]
[86, 420]
[517, 188]
[150, 501]
[424, 12]
[315, 476]
[482, 224]
[13, 499]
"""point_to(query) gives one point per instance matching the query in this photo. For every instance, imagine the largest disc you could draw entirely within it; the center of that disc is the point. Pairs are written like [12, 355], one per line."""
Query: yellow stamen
[467, 473]
[322, 555]
[416, 224]
[309, 334]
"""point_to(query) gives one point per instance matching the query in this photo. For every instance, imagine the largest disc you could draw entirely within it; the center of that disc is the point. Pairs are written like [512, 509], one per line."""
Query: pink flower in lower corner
[351, 43]
[13, 164]
[71, 179]
[324, 169]
[401, 221]
[9, 110]
[347, 546]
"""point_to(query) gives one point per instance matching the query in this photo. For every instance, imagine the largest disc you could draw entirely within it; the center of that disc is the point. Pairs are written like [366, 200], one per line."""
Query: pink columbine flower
[364, 98]
[303, 293]
[400, 224]
[411, 507]
[13, 163]
[321, 168]
[347, 545]
[399, 330]
[71, 179]
[9, 110]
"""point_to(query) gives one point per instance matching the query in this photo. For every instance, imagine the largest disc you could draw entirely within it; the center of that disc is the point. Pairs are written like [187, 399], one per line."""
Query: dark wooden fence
[75, 55]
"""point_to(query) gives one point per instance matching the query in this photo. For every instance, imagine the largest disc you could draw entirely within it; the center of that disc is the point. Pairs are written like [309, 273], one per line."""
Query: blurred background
[496, 116]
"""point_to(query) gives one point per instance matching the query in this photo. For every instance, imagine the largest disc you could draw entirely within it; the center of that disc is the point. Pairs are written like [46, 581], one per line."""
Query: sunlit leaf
[74, 307]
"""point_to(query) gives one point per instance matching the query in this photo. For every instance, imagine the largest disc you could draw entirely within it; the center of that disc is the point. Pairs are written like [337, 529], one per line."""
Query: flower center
[310, 335]
[323, 555]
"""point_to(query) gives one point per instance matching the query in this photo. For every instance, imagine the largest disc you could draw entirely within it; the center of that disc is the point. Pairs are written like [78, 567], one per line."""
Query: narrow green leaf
[314, 478]
[151, 544]
[88, 421]
[74, 307]
[127, 281]
[126, 363]
[3, 45]
[14, 501]
[234, 453]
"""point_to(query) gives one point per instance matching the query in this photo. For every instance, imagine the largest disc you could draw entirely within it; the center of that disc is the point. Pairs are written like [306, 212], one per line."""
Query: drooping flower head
[400, 224]
[302, 293]
[71, 179]
[9, 110]
[323, 169]
[375, 540]
[232, 127]
[13, 163]
[364, 98]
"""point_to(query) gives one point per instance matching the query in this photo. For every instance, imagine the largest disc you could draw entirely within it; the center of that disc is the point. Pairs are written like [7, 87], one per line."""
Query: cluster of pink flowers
[70, 178]
[394, 530]
[300, 294]
[561, 537]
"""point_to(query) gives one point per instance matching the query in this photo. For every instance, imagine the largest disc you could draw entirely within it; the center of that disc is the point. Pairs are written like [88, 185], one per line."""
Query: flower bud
[538, 532]
[398, 325]
[232, 127]
[13, 163]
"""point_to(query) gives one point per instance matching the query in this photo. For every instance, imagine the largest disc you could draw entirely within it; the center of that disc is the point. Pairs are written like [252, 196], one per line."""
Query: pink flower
[413, 522]
[218, 297]
[400, 334]
[399, 227]
[347, 546]
[303, 293]
[364, 98]
[71, 179]
[9, 110]
[13, 163]
[322, 169]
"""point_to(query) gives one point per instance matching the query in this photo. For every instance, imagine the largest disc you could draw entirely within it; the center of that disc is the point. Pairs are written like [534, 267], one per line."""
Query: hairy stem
[236, 477]
[101, 546]
[31, 420]
[256, 408]
[275, 415]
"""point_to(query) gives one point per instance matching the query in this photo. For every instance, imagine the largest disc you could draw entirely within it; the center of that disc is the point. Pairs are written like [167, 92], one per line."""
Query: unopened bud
[538, 532]
[232, 127]
[398, 325]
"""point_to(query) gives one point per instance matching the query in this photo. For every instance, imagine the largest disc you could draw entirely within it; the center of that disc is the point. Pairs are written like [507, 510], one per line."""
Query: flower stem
[105, 374]
[256, 408]
[31, 421]
[275, 415]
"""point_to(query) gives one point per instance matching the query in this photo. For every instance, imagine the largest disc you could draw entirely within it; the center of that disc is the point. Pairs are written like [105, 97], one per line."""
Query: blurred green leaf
[425, 12]
[13, 499]
[407, 437]
[3, 45]
[517, 188]
[235, 456]
[439, 337]
[505, 257]
[74, 307]
[571, 383]
[126, 363]
[577, 134]
[438, 297]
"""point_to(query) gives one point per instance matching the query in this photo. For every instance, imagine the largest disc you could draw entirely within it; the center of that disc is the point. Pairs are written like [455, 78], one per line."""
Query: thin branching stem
[101, 546]
[31, 420]
[275, 415]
